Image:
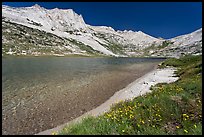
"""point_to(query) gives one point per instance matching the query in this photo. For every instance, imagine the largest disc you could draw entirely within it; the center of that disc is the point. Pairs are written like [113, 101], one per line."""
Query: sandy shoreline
[138, 87]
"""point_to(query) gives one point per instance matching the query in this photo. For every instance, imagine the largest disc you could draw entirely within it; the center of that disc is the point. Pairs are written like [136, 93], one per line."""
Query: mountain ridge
[104, 40]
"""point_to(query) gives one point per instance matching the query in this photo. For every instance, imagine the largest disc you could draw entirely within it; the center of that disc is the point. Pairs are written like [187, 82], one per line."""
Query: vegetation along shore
[174, 108]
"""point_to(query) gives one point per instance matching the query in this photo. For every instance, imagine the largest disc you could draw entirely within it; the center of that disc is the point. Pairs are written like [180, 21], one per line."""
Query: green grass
[183, 61]
[84, 47]
[24, 38]
[170, 109]
[115, 48]
[85, 128]
[156, 47]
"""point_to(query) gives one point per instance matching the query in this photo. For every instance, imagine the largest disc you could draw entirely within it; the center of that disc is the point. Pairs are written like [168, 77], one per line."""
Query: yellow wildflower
[195, 126]
[186, 131]
[184, 115]
[131, 116]
[177, 126]
[54, 133]
[187, 116]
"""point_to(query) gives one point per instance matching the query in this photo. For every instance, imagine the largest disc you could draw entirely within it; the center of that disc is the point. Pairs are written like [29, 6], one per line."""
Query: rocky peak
[36, 6]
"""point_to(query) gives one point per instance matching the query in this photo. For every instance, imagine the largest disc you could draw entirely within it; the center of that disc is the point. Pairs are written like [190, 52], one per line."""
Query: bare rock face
[62, 20]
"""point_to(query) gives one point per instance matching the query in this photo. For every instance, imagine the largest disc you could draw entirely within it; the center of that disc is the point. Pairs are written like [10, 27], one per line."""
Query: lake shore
[138, 87]
[44, 107]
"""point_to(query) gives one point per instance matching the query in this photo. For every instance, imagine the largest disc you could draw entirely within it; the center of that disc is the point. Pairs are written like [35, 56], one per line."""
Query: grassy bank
[174, 108]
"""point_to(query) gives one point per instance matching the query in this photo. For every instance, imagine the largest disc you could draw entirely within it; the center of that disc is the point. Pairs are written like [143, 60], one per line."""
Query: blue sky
[158, 19]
